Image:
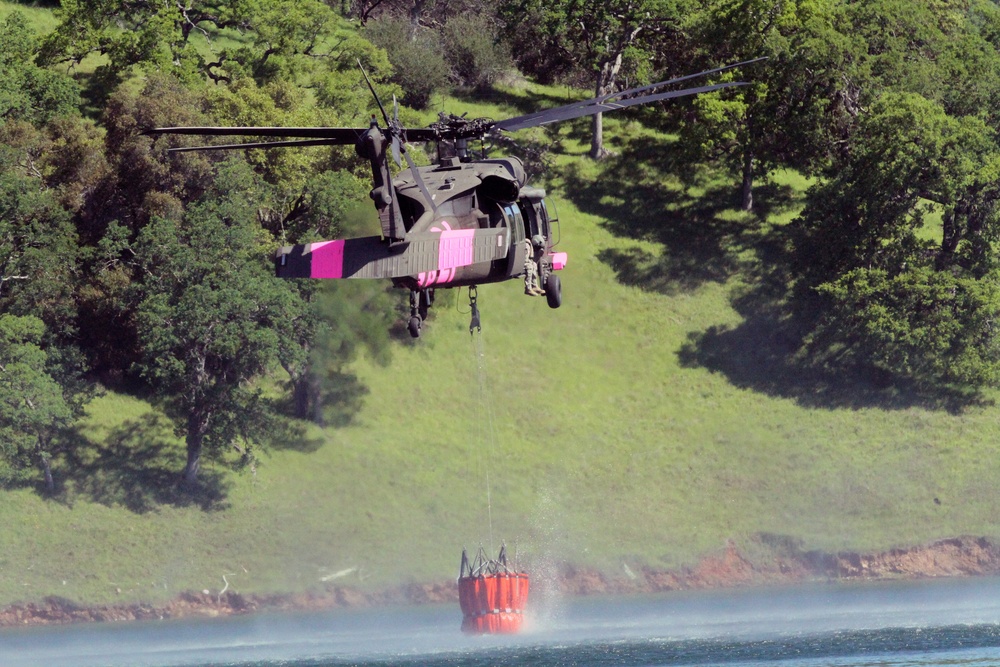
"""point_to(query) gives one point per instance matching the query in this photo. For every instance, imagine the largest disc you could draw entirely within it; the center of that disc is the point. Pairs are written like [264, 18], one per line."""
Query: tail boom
[428, 253]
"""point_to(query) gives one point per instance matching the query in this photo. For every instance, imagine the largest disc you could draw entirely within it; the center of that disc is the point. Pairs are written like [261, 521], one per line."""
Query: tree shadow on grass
[286, 431]
[343, 396]
[138, 467]
[757, 355]
[764, 353]
[651, 193]
[290, 434]
[528, 101]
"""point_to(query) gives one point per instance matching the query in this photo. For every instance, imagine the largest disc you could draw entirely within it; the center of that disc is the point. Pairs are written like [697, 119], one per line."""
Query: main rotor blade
[395, 130]
[630, 91]
[420, 181]
[634, 91]
[576, 111]
[395, 150]
[256, 144]
[420, 135]
[374, 94]
[642, 89]
[336, 135]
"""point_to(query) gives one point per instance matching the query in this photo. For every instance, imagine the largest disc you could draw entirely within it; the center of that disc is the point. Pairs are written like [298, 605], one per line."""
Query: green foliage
[608, 39]
[922, 326]
[329, 200]
[934, 49]
[419, 67]
[867, 216]
[207, 320]
[127, 32]
[797, 107]
[274, 104]
[527, 30]
[32, 406]
[38, 245]
[472, 47]
[28, 92]
[275, 39]
[874, 284]
[339, 87]
[589, 34]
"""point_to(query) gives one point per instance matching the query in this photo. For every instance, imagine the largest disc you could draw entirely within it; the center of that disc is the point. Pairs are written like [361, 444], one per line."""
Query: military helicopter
[462, 221]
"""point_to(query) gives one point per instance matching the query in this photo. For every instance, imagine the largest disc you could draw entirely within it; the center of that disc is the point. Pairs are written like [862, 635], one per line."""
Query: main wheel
[414, 327]
[553, 291]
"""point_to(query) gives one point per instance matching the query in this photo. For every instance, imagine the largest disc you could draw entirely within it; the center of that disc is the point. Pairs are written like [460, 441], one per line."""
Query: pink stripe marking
[559, 260]
[455, 249]
[327, 259]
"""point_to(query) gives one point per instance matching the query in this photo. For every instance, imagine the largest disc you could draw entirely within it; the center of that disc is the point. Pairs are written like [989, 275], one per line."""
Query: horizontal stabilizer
[371, 257]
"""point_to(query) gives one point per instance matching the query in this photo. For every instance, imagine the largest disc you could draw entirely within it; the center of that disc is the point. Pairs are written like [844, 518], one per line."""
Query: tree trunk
[300, 396]
[746, 189]
[306, 398]
[50, 484]
[597, 150]
[196, 428]
[979, 245]
[316, 399]
[606, 77]
[42, 447]
[950, 236]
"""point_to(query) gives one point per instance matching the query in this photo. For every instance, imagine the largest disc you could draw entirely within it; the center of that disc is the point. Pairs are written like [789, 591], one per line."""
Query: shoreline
[782, 562]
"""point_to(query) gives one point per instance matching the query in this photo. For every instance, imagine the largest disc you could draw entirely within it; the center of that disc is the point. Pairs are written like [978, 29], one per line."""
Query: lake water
[954, 623]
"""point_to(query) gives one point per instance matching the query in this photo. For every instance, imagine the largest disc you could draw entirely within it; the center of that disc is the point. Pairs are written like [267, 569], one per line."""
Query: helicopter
[463, 221]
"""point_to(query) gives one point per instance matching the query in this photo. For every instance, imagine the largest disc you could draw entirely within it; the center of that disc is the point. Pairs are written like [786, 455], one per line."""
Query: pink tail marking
[454, 250]
[327, 259]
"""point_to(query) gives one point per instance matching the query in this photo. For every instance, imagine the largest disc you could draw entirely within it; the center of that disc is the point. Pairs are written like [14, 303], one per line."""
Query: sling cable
[492, 592]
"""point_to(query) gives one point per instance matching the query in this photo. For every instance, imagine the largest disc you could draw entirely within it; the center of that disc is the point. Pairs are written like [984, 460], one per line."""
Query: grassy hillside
[641, 423]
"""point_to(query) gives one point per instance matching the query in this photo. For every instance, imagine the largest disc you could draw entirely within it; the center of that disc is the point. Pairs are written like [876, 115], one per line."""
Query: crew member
[534, 248]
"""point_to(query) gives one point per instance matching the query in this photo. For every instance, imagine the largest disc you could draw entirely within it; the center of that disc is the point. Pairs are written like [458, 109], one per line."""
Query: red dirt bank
[784, 563]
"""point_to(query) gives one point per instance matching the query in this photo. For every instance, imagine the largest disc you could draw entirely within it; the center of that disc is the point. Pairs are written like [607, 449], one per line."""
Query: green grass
[39, 15]
[637, 424]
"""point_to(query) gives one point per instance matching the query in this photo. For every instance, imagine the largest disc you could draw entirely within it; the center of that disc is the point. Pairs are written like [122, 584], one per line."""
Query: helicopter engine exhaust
[499, 189]
[501, 179]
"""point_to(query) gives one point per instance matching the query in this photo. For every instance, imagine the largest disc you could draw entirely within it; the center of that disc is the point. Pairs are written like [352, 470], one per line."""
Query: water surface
[954, 623]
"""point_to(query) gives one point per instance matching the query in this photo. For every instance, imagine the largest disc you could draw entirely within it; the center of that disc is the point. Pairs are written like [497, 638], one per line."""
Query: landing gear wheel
[553, 291]
[414, 326]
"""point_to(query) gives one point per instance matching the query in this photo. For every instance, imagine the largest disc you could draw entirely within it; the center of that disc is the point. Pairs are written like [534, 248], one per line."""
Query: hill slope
[607, 445]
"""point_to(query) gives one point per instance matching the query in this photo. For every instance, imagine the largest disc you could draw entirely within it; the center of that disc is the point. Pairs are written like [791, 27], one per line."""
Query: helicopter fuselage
[465, 224]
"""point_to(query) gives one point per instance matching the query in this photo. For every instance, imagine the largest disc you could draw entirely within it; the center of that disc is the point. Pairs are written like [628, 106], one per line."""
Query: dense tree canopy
[29, 92]
[33, 408]
[206, 321]
[607, 38]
